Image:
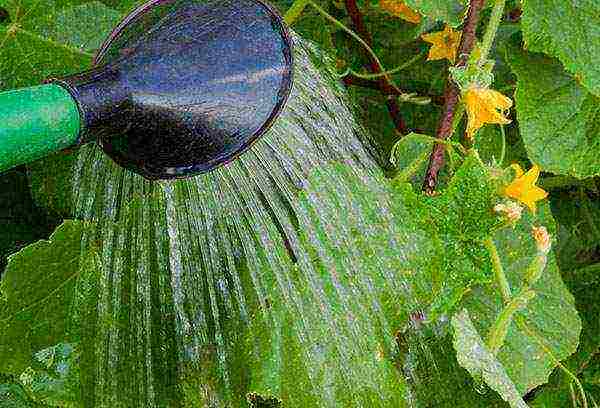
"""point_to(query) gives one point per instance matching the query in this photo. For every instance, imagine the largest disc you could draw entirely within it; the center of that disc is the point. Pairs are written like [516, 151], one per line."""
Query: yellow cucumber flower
[483, 106]
[445, 44]
[397, 8]
[523, 187]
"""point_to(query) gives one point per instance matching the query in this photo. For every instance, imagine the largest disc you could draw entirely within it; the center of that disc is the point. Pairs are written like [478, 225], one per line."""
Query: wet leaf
[473, 355]
[53, 378]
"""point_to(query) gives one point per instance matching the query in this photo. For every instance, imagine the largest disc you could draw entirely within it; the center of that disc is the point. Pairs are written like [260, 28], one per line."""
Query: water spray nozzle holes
[4, 16]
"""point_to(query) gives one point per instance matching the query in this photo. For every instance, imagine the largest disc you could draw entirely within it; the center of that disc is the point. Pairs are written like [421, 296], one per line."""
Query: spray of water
[283, 273]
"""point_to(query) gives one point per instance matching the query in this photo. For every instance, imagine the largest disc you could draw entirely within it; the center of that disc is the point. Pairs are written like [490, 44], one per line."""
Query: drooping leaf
[474, 356]
[436, 378]
[584, 283]
[558, 118]
[569, 30]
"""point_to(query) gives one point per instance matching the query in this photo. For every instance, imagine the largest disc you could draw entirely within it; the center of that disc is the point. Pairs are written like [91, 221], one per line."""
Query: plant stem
[499, 330]
[352, 80]
[451, 96]
[498, 270]
[391, 71]
[492, 29]
[364, 43]
[385, 83]
[503, 148]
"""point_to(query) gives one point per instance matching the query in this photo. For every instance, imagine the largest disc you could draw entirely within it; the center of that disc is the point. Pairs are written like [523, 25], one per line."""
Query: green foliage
[558, 118]
[366, 312]
[551, 314]
[461, 219]
[569, 31]
[449, 11]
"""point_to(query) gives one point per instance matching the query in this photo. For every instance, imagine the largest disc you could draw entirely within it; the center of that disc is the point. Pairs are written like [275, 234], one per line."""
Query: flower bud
[511, 210]
[542, 239]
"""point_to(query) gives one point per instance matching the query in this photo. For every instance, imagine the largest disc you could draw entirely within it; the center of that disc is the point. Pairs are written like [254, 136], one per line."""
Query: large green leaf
[49, 38]
[569, 30]
[558, 118]
[38, 289]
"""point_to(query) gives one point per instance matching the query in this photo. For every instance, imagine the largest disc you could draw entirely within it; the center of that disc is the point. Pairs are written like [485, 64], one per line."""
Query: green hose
[35, 122]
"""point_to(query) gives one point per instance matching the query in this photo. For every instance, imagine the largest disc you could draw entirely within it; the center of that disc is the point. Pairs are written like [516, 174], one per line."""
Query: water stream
[284, 273]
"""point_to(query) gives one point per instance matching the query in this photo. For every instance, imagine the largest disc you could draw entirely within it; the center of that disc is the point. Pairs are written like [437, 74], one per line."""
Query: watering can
[178, 88]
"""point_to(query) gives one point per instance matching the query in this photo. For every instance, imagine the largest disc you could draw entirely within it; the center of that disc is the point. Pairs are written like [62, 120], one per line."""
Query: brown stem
[350, 80]
[451, 96]
[384, 84]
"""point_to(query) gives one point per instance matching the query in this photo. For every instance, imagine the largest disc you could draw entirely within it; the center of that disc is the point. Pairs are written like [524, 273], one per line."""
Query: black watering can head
[183, 86]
